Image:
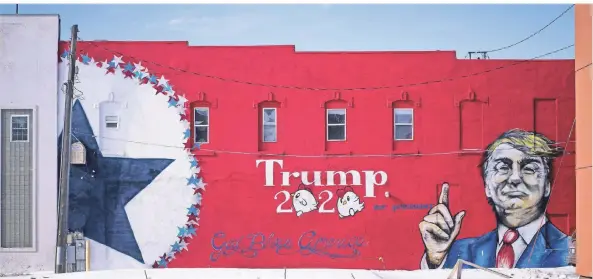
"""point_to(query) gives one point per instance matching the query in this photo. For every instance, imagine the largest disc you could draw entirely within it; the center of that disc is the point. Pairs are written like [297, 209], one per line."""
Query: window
[112, 122]
[336, 124]
[201, 125]
[17, 226]
[19, 128]
[403, 119]
[269, 129]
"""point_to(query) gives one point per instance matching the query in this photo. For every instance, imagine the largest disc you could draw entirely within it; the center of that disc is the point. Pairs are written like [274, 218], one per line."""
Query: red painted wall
[461, 113]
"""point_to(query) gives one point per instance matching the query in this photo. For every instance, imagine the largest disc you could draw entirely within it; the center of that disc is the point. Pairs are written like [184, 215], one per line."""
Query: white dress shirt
[526, 234]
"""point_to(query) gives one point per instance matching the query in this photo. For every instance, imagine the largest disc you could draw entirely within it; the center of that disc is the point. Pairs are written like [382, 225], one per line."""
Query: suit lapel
[484, 250]
[536, 251]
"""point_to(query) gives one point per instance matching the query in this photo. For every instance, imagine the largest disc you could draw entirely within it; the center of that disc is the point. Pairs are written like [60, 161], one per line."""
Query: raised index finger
[444, 197]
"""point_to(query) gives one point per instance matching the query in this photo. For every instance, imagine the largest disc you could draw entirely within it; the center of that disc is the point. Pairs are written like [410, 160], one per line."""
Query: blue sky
[327, 27]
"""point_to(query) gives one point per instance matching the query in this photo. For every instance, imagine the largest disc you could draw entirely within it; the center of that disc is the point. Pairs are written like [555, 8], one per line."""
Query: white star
[171, 255]
[117, 59]
[192, 222]
[201, 185]
[182, 100]
[183, 245]
[138, 67]
[185, 124]
[162, 81]
[197, 170]
[180, 109]
[104, 64]
[144, 74]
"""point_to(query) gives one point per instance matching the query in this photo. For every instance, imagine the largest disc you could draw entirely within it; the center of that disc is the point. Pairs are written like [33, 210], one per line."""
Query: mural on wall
[134, 128]
[517, 173]
[138, 194]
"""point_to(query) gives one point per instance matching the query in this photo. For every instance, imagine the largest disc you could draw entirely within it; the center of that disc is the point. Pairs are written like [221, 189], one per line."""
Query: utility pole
[61, 241]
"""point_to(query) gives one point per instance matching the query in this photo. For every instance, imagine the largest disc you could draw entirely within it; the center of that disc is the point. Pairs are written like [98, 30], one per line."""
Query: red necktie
[506, 254]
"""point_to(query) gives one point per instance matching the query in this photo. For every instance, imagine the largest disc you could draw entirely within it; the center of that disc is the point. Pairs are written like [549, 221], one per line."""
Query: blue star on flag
[193, 162]
[176, 247]
[172, 102]
[186, 133]
[65, 53]
[182, 231]
[138, 74]
[191, 231]
[193, 180]
[167, 87]
[197, 146]
[129, 67]
[193, 210]
[85, 59]
[162, 262]
[112, 64]
[152, 79]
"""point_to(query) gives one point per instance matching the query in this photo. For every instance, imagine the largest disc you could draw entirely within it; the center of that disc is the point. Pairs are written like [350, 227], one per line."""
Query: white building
[28, 150]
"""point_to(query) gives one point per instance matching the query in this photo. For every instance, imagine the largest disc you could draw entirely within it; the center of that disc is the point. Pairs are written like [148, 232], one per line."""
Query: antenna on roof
[478, 55]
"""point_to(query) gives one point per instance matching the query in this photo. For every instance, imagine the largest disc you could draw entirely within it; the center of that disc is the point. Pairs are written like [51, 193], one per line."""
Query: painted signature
[309, 243]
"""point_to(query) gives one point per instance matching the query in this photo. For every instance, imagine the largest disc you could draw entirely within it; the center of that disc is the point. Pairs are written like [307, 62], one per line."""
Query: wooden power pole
[61, 241]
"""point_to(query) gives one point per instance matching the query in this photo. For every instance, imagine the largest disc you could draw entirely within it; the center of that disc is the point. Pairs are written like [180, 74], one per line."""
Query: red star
[188, 144]
[144, 81]
[183, 116]
[155, 265]
[185, 239]
[110, 70]
[197, 190]
[191, 218]
[159, 89]
[128, 74]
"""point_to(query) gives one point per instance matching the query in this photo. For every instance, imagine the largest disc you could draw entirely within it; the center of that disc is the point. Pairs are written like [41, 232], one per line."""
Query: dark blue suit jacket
[550, 250]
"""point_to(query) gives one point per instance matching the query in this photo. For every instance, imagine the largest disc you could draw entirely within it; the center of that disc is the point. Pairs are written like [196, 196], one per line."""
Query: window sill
[18, 250]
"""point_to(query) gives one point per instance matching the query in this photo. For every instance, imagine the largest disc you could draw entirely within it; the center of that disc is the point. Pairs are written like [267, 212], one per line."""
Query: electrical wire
[312, 156]
[586, 66]
[327, 88]
[390, 155]
[533, 34]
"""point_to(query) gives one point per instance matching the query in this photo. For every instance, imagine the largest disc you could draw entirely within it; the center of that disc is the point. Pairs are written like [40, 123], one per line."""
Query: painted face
[349, 197]
[514, 180]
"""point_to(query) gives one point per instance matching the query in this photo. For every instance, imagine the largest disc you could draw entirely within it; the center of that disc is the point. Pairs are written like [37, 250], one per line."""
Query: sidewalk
[230, 273]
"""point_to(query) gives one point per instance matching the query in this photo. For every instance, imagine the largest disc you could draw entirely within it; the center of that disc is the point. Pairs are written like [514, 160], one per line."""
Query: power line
[76, 135]
[533, 34]
[326, 89]
[588, 65]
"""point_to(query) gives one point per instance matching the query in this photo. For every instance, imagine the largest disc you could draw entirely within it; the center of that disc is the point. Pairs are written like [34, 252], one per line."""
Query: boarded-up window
[471, 125]
[545, 117]
[16, 183]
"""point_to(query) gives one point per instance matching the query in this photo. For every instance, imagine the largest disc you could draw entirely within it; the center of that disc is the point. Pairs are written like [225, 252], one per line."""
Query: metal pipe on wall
[87, 255]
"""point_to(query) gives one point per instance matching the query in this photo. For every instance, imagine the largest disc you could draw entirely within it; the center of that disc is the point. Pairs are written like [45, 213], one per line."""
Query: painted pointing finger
[444, 197]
